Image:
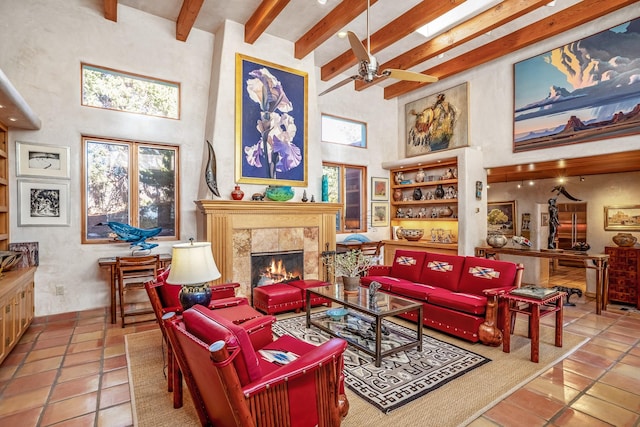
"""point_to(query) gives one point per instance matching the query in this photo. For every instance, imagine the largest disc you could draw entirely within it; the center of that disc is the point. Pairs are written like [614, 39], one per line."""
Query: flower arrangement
[351, 263]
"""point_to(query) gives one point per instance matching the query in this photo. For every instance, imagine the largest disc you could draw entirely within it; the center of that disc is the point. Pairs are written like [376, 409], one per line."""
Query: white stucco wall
[42, 45]
[44, 41]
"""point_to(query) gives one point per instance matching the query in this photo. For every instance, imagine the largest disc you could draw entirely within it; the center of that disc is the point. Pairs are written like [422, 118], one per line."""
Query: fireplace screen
[274, 267]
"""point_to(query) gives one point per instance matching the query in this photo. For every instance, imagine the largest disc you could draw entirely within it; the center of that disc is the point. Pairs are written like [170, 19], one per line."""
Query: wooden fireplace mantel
[217, 220]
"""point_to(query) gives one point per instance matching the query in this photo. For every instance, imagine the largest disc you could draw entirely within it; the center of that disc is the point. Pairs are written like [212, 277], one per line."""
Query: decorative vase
[496, 240]
[325, 188]
[446, 212]
[420, 175]
[350, 284]
[237, 193]
[417, 194]
[624, 239]
[279, 193]
[397, 194]
[439, 192]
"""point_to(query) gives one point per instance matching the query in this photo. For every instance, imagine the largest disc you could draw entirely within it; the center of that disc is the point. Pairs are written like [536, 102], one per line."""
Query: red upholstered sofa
[459, 293]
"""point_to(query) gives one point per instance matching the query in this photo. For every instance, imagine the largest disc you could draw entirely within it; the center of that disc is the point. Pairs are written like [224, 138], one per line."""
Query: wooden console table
[597, 262]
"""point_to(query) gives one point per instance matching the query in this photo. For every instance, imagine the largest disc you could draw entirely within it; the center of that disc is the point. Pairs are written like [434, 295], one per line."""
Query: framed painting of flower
[271, 123]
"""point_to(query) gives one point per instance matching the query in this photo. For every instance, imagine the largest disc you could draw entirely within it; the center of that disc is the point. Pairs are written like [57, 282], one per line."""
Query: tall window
[130, 182]
[348, 186]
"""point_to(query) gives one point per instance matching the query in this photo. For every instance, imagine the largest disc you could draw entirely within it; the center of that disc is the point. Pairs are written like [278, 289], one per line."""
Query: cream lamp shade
[192, 264]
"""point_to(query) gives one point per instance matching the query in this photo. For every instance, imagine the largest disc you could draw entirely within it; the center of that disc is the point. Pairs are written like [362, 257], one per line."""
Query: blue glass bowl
[279, 193]
[337, 313]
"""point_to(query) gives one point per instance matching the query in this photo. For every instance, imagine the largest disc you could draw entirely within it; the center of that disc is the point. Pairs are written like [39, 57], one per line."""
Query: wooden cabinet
[16, 307]
[425, 196]
[624, 281]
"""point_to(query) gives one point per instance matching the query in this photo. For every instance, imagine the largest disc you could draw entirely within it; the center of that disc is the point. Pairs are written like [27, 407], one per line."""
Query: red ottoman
[311, 283]
[276, 298]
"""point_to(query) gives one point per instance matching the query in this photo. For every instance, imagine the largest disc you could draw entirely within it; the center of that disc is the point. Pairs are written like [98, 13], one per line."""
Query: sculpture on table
[211, 170]
[554, 222]
[135, 236]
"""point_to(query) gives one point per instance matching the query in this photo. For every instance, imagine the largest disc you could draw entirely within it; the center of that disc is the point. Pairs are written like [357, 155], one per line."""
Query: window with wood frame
[131, 182]
[348, 186]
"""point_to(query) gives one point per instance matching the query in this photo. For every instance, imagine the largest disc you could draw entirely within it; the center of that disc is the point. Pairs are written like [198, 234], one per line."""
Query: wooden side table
[535, 309]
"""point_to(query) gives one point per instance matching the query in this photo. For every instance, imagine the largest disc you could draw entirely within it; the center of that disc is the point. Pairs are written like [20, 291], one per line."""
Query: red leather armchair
[164, 300]
[232, 385]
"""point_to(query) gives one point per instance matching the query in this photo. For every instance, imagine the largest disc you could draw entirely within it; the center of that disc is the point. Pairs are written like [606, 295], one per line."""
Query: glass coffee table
[361, 325]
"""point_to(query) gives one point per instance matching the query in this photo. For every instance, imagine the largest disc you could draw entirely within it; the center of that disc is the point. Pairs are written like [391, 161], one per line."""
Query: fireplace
[274, 267]
[238, 229]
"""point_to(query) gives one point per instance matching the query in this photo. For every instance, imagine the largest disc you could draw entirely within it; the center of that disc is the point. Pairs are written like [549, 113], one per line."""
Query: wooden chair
[133, 272]
[233, 385]
[372, 249]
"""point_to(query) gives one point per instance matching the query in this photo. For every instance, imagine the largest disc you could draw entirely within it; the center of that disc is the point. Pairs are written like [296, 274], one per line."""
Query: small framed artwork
[43, 203]
[622, 217]
[544, 219]
[50, 161]
[379, 214]
[501, 217]
[478, 190]
[339, 130]
[379, 188]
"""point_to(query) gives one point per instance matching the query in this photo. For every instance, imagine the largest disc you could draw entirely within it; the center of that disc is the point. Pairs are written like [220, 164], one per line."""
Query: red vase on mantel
[237, 193]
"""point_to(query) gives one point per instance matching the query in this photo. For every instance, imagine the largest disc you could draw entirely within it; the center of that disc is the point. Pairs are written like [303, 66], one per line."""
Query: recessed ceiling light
[13, 119]
[551, 3]
[342, 34]
[322, 1]
[1, 106]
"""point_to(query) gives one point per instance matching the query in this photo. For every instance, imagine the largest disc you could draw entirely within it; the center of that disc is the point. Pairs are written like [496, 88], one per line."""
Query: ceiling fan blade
[409, 75]
[339, 84]
[358, 48]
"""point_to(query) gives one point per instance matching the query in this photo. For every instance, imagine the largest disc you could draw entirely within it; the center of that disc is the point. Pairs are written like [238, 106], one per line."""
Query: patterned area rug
[400, 378]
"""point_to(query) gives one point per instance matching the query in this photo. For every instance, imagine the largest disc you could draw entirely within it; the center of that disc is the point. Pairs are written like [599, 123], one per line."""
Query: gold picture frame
[623, 217]
[503, 221]
[271, 138]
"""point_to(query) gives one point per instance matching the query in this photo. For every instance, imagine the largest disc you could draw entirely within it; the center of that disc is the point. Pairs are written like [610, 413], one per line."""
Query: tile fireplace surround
[238, 228]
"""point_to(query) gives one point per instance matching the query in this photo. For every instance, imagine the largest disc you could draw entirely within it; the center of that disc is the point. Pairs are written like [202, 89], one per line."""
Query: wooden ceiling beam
[111, 10]
[405, 24]
[186, 19]
[327, 27]
[571, 17]
[262, 18]
[477, 26]
[628, 161]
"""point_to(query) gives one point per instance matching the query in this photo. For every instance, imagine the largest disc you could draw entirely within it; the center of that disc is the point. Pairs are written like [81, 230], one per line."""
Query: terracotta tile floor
[70, 369]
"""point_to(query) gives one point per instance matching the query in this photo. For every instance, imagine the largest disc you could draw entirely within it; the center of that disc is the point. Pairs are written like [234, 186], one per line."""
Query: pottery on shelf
[417, 194]
[420, 175]
[237, 193]
[439, 192]
[279, 193]
[412, 234]
[496, 240]
[397, 194]
[624, 239]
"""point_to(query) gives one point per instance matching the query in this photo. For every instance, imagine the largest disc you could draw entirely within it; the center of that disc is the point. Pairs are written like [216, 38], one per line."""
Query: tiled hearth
[238, 228]
[271, 240]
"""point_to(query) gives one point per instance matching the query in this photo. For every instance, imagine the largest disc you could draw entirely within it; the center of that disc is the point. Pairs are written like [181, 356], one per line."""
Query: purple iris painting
[273, 119]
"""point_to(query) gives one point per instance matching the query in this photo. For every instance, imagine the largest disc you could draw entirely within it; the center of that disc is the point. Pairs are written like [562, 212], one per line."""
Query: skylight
[455, 16]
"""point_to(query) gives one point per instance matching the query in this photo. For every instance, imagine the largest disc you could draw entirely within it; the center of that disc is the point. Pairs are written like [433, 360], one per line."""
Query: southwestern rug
[402, 377]
[456, 403]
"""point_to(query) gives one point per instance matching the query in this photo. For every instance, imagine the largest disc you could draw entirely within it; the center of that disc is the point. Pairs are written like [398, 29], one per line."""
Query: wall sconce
[192, 266]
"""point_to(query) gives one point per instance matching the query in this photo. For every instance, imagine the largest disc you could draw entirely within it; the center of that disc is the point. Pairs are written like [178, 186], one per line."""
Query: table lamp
[192, 267]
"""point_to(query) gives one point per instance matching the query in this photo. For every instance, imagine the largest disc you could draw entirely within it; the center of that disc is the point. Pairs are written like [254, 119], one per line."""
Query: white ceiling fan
[368, 68]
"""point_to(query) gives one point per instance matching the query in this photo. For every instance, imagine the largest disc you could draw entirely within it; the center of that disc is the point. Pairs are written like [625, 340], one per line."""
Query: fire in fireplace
[274, 267]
